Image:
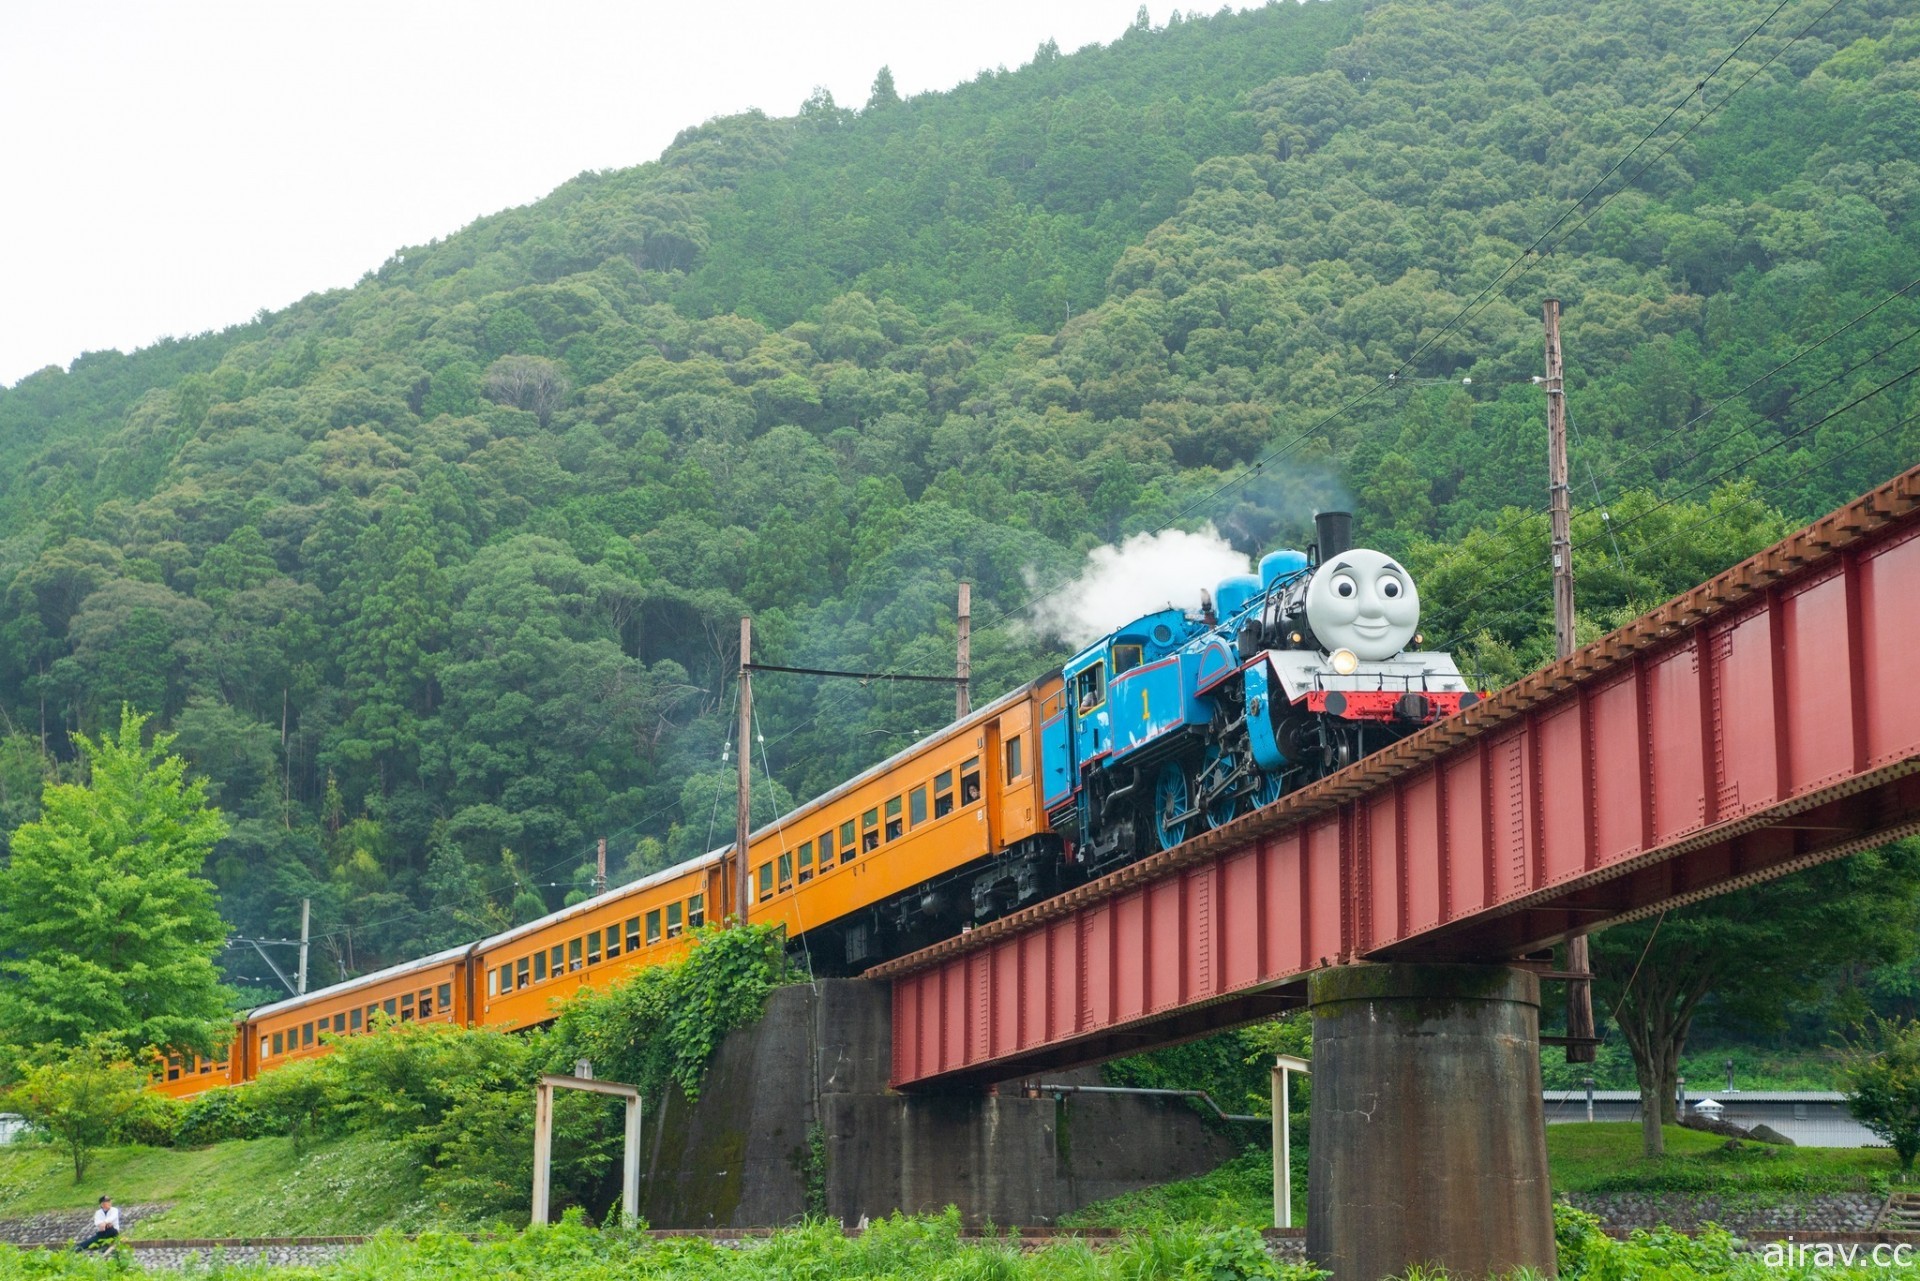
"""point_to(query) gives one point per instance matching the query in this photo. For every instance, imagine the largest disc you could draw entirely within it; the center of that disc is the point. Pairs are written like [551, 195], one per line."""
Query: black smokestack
[1333, 533]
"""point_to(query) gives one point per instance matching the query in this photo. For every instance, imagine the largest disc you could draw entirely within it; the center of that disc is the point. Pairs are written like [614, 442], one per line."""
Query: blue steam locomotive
[1178, 722]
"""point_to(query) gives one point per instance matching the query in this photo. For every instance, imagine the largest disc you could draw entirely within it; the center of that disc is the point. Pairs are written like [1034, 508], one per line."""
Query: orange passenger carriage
[520, 975]
[432, 989]
[947, 831]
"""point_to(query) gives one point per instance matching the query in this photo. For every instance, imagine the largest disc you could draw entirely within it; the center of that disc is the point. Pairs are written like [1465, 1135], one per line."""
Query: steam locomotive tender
[1179, 722]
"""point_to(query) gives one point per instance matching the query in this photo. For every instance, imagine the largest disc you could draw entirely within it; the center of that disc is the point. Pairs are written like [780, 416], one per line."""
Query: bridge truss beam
[1763, 722]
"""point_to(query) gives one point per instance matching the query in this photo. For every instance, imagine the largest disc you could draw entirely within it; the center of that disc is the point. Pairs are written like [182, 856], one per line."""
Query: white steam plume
[1145, 573]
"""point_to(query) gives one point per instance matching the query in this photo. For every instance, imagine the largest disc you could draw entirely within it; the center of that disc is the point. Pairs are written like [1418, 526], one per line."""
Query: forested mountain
[438, 577]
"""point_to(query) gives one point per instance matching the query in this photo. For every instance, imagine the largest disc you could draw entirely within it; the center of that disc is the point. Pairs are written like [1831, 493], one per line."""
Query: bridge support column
[1428, 1140]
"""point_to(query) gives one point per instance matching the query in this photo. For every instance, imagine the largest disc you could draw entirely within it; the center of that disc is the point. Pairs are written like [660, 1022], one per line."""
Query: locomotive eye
[1390, 588]
[1344, 587]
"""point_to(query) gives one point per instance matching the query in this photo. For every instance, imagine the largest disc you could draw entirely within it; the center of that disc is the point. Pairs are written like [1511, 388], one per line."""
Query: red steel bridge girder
[1763, 722]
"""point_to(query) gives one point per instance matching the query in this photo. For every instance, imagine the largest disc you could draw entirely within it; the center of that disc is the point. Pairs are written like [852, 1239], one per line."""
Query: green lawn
[1605, 1156]
[251, 1187]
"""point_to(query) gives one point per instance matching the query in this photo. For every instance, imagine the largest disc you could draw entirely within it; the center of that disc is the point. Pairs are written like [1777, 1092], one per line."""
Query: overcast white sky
[170, 168]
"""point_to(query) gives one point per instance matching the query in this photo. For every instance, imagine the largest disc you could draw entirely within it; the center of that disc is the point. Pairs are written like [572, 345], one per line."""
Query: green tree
[1882, 1076]
[1752, 952]
[107, 928]
[78, 1097]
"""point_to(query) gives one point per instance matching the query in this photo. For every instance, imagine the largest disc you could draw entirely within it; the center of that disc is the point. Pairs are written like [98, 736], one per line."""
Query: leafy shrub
[220, 1115]
[664, 1024]
[154, 1119]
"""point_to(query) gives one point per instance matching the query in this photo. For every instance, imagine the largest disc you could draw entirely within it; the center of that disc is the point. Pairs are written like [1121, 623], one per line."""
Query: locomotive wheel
[1172, 806]
[1272, 788]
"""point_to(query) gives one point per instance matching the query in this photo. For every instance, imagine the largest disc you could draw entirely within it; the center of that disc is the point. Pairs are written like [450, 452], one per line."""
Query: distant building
[1811, 1118]
[11, 1127]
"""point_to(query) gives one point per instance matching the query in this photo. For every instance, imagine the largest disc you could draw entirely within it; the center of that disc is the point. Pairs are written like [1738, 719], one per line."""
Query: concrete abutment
[1428, 1141]
[795, 1116]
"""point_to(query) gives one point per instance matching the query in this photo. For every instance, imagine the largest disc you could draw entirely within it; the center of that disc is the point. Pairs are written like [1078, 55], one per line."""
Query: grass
[1239, 1192]
[248, 1187]
[1605, 1156]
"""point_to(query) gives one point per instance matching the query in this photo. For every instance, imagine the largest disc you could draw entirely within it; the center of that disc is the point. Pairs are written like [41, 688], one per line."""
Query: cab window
[894, 823]
[970, 781]
[1090, 688]
[943, 793]
[1126, 658]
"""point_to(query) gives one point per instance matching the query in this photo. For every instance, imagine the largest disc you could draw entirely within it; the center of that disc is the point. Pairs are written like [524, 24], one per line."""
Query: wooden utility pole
[600, 868]
[743, 875]
[1579, 961]
[963, 672]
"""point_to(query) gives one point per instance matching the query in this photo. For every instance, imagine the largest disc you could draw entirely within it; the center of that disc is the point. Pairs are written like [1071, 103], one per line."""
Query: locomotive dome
[1363, 601]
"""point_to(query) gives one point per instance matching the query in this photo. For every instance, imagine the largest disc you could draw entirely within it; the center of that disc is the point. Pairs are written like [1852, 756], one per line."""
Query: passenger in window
[969, 789]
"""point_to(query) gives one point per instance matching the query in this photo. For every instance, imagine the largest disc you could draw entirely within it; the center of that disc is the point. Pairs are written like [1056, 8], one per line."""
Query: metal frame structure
[543, 1141]
[1760, 723]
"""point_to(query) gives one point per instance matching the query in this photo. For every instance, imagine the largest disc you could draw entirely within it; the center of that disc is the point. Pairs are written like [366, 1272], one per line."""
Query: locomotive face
[1364, 602]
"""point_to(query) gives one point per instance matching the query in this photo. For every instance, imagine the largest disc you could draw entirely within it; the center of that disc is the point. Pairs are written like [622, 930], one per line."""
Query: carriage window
[917, 806]
[846, 842]
[613, 941]
[557, 959]
[673, 920]
[340, 1022]
[869, 831]
[894, 825]
[446, 997]
[970, 781]
[306, 1034]
[943, 793]
[406, 1008]
[806, 861]
[173, 1069]
[696, 912]
[653, 926]
[1090, 688]
[539, 967]
[593, 947]
[506, 980]
[279, 1042]
[573, 954]
[826, 850]
[786, 871]
[633, 933]
[353, 1019]
[766, 885]
[1015, 766]
[520, 976]
[1125, 658]
[426, 998]
[387, 1005]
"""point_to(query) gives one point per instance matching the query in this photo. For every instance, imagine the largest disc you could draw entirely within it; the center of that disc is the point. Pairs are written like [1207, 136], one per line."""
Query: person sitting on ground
[106, 1225]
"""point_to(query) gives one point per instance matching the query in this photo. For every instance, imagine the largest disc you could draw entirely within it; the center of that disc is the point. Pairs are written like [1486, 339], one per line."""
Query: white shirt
[107, 1218]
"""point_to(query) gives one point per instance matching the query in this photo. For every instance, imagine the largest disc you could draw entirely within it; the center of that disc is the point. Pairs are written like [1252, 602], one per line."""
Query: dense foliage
[435, 577]
[458, 1100]
[1882, 1075]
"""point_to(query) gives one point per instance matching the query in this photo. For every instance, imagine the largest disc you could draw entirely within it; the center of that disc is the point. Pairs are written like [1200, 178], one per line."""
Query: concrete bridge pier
[1429, 1146]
